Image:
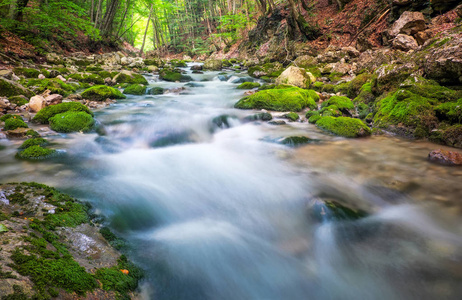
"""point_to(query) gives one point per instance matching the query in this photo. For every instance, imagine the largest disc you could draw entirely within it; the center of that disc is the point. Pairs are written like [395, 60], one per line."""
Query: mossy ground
[72, 121]
[343, 126]
[101, 93]
[288, 99]
[49, 111]
[26, 72]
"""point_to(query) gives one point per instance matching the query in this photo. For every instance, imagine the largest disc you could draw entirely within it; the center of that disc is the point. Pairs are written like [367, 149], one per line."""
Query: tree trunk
[146, 30]
[16, 9]
[108, 20]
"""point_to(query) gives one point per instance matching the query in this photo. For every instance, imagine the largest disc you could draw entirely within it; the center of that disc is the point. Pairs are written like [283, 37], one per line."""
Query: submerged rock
[258, 117]
[295, 141]
[450, 158]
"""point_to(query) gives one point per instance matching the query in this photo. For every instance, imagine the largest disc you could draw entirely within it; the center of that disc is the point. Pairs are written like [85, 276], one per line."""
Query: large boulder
[36, 103]
[213, 64]
[101, 93]
[405, 42]
[294, 76]
[410, 22]
[443, 62]
[10, 88]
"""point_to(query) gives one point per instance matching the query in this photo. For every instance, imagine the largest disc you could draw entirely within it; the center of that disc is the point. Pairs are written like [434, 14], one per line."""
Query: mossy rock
[154, 62]
[296, 141]
[289, 99]
[87, 78]
[102, 92]
[135, 89]
[365, 94]
[447, 135]
[430, 89]
[9, 116]
[403, 107]
[248, 85]
[292, 116]
[356, 85]
[13, 123]
[343, 126]
[36, 152]
[72, 121]
[34, 142]
[328, 88]
[450, 111]
[343, 88]
[9, 88]
[131, 78]
[94, 69]
[342, 103]
[314, 118]
[311, 113]
[173, 76]
[156, 91]
[62, 71]
[212, 64]
[49, 111]
[270, 70]
[258, 117]
[330, 111]
[18, 100]
[178, 63]
[317, 86]
[55, 85]
[105, 74]
[26, 72]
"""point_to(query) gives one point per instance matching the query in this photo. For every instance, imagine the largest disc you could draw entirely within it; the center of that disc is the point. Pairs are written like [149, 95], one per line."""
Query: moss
[35, 152]
[178, 63]
[102, 92]
[34, 142]
[269, 69]
[94, 69]
[317, 86]
[335, 76]
[450, 111]
[292, 116]
[18, 100]
[87, 78]
[330, 111]
[365, 94]
[226, 63]
[258, 117]
[341, 102]
[32, 133]
[288, 99]
[55, 85]
[10, 88]
[402, 107]
[295, 141]
[342, 88]
[328, 88]
[62, 71]
[9, 116]
[346, 127]
[173, 76]
[363, 110]
[311, 113]
[356, 85]
[156, 91]
[315, 71]
[27, 72]
[72, 121]
[49, 111]
[116, 242]
[314, 118]
[430, 89]
[131, 79]
[135, 89]
[104, 74]
[153, 62]
[13, 123]
[248, 85]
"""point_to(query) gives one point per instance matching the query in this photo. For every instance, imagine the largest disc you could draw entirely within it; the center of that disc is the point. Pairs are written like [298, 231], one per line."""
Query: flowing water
[228, 213]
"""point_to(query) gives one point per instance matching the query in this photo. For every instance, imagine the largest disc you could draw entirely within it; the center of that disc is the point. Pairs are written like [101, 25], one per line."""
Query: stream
[229, 213]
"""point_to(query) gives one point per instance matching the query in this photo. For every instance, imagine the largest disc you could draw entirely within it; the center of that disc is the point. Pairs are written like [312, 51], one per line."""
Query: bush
[71, 122]
[49, 111]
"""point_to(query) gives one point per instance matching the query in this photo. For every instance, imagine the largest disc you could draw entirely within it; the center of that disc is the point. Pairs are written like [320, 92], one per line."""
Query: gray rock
[405, 42]
[408, 23]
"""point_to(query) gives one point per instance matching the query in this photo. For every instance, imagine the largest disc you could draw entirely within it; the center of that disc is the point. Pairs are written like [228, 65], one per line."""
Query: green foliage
[248, 85]
[346, 127]
[135, 89]
[35, 152]
[13, 123]
[49, 111]
[102, 92]
[288, 99]
[72, 121]
[34, 142]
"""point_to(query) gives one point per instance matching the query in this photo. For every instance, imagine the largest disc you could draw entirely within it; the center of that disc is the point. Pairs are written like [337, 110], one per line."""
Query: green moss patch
[87, 78]
[314, 118]
[173, 76]
[346, 127]
[10, 88]
[330, 111]
[156, 91]
[132, 78]
[26, 72]
[288, 99]
[342, 103]
[34, 142]
[55, 85]
[13, 123]
[115, 280]
[292, 116]
[36, 152]
[71, 122]
[135, 89]
[49, 111]
[450, 111]
[102, 92]
[248, 85]
[18, 100]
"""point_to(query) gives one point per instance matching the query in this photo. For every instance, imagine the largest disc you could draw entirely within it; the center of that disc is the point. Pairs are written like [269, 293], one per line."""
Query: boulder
[53, 99]
[405, 42]
[60, 77]
[153, 68]
[36, 103]
[8, 74]
[423, 36]
[444, 157]
[17, 133]
[196, 68]
[294, 76]
[41, 76]
[213, 64]
[408, 23]
[305, 61]
[10, 88]
[443, 63]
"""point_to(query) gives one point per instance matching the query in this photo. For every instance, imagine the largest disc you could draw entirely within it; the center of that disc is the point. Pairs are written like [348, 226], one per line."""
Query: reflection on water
[217, 213]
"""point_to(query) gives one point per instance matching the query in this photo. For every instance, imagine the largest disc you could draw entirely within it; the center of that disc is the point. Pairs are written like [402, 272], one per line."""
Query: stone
[401, 2]
[10, 88]
[36, 103]
[408, 23]
[18, 133]
[405, 42]
[153, 68]
[458, 10]
[53, 99]
[305, 61]
[423, 36]
[213, 64]
[444, 63]
[294, 76]
[196, 68]
[277, 122]
[41, 76]
[8, 74]
[60, 77]
[124, 61]
[444, 157]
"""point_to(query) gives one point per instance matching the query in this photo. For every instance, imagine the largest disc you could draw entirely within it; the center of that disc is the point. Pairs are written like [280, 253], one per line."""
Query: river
[229, 213]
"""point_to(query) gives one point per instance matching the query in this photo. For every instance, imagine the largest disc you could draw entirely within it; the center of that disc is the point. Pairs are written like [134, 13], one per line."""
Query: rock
[295, 141]
[443, 63]
[305, 61]
[458, 10]
[196, 68]
[264, 116]
[408, 23]
[213, 64]
[124, 61]
[101, 93]
[36, 103]
[444, 157]
[294, 76]
[41, 76]
[18, 133]
[443, 6]
[53, 99]
[423, 36]
[405, 42]
[10, 88]
[343, 126]
[110, 82]
[153, 68]
[401, 2]
[8, 74]
[277, 122]
[60, 77]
